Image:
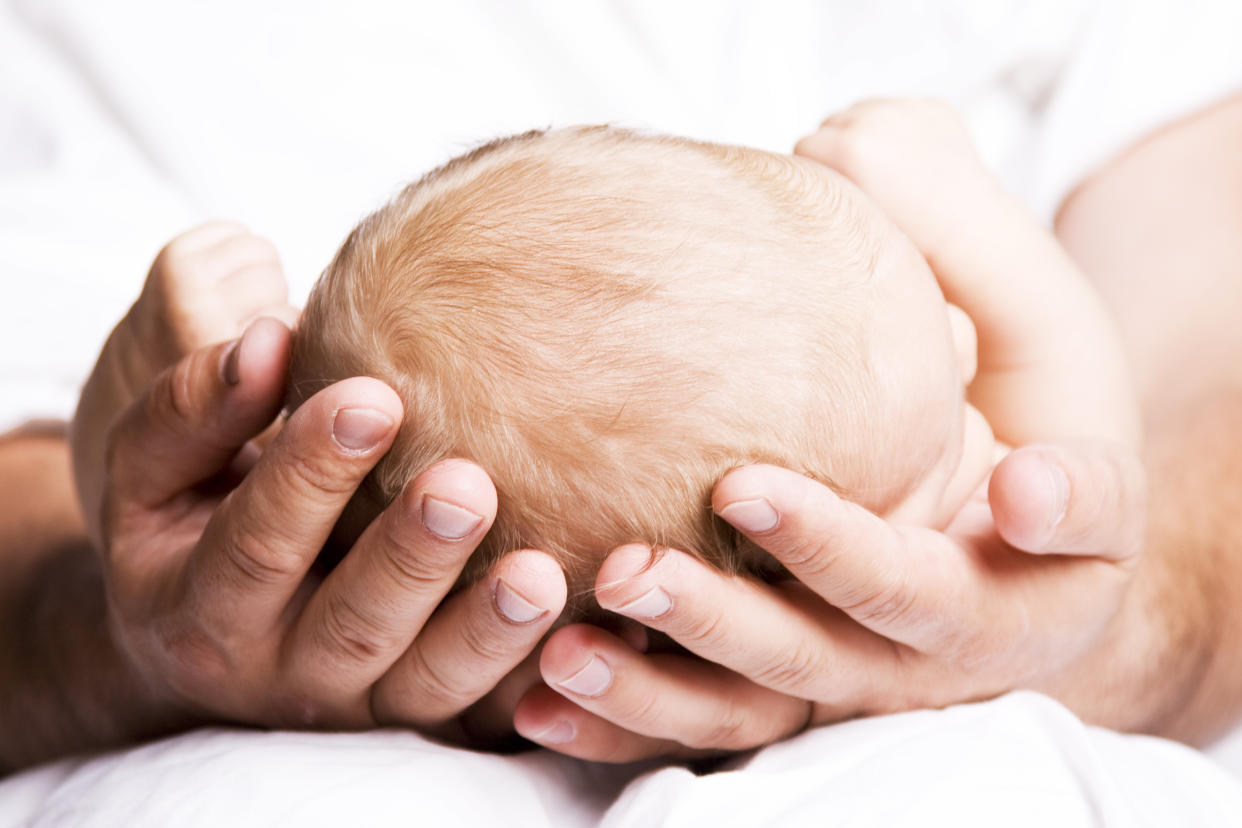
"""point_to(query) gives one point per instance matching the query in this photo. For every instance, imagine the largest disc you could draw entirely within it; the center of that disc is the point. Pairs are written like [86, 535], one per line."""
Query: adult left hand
[1020, 591]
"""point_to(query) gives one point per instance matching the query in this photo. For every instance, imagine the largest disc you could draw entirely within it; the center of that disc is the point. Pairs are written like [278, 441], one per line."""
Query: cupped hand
[881, 617]
[1025, 588]
[212, 597]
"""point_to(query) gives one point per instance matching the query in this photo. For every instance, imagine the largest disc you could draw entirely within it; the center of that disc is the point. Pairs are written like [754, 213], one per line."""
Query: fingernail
[360, 429]
[751, 515]
[557, 734]
[513, 606]
[651, 604]
[447, 521]
[591, 680]
[1060, 485]
[230, 364]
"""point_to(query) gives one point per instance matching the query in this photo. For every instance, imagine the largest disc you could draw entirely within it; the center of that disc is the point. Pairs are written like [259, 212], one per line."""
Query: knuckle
[793, 671]
[481, 642]
[174, 393]
[432, 684]
[807, 557]
[197, 663]
[314, 475]
[730, 730]
[709, 631]
[259, 561]
[641, 709]
[353, 633]
[413, 569]
[178, 268]
[980, 654]
[262, 249]
[173, 260]
[249, 251]
[892, 604]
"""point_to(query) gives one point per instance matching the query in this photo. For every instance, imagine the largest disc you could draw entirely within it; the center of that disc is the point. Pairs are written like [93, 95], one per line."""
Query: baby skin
[609, 322]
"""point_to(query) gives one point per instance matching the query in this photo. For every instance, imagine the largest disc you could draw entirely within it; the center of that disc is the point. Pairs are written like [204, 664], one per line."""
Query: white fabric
[1021, 760]
[123, 122]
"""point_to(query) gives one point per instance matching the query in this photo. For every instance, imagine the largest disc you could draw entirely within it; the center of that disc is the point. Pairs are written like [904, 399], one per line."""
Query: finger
[195, 416]
[368, 610]
[262, 539]
[803, 648]
[256, 286]
[207, 234]
[184, 249]
[1083, 501]
[692, 702]
[233, 254]
[910, 585]
[476, 638]
[553, 721]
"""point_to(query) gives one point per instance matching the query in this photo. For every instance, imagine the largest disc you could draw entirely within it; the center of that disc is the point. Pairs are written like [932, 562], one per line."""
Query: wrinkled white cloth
[1021, 760]
[124, 122]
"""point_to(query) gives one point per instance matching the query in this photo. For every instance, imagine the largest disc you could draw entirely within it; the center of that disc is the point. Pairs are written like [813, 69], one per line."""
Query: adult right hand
[211, 597]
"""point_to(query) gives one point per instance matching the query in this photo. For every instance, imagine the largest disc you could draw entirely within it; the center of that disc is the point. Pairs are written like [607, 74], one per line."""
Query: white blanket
[1021, 760]
[123, 122]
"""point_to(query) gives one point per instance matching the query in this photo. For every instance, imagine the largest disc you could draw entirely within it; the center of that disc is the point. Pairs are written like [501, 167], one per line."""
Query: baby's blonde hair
[606, 322]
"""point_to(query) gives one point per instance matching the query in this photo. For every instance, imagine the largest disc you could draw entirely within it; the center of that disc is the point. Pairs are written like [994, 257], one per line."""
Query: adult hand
[1021, 588]
[881, 618]
[211, 593]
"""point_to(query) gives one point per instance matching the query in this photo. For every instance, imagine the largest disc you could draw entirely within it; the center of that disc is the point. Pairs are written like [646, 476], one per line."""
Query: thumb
[195, 416]
[1088, 499]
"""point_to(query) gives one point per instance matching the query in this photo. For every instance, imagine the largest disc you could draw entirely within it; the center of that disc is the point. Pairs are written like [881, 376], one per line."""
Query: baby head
[608, 322]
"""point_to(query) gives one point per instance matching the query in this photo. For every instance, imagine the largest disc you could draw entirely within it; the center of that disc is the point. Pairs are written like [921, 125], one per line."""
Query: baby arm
[1051, 365]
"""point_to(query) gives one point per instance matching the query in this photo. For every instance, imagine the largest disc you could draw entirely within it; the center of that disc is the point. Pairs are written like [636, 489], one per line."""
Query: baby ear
[965, 342]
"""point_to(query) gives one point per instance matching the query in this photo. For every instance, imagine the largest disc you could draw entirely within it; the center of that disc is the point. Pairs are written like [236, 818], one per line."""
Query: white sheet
[123, 122]
[1021, 760]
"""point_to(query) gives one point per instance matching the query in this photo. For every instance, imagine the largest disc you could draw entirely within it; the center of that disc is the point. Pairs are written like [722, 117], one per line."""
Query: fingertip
[528, 586]
[745, 483]
[454, 500]
[638, 582]
[363, 393]
[260, 357]
[545, 717]
[756, 499]
[1029, 494]
[567, 649]
[812, 146]
[623, 564]
[461, 482]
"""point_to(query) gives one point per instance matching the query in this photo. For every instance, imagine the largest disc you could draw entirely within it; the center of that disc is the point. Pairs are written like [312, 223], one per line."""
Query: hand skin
[211, 611]
[1166, 664]
[1166, 661]
[204, 287]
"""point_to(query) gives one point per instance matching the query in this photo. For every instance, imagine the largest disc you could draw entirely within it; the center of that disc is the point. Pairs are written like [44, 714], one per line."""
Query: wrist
[70, 687]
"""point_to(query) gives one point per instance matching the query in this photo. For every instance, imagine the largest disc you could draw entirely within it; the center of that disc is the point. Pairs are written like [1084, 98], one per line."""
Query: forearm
[1158, 231]
[1195, 592]
[1171, 664]
[64, 686]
